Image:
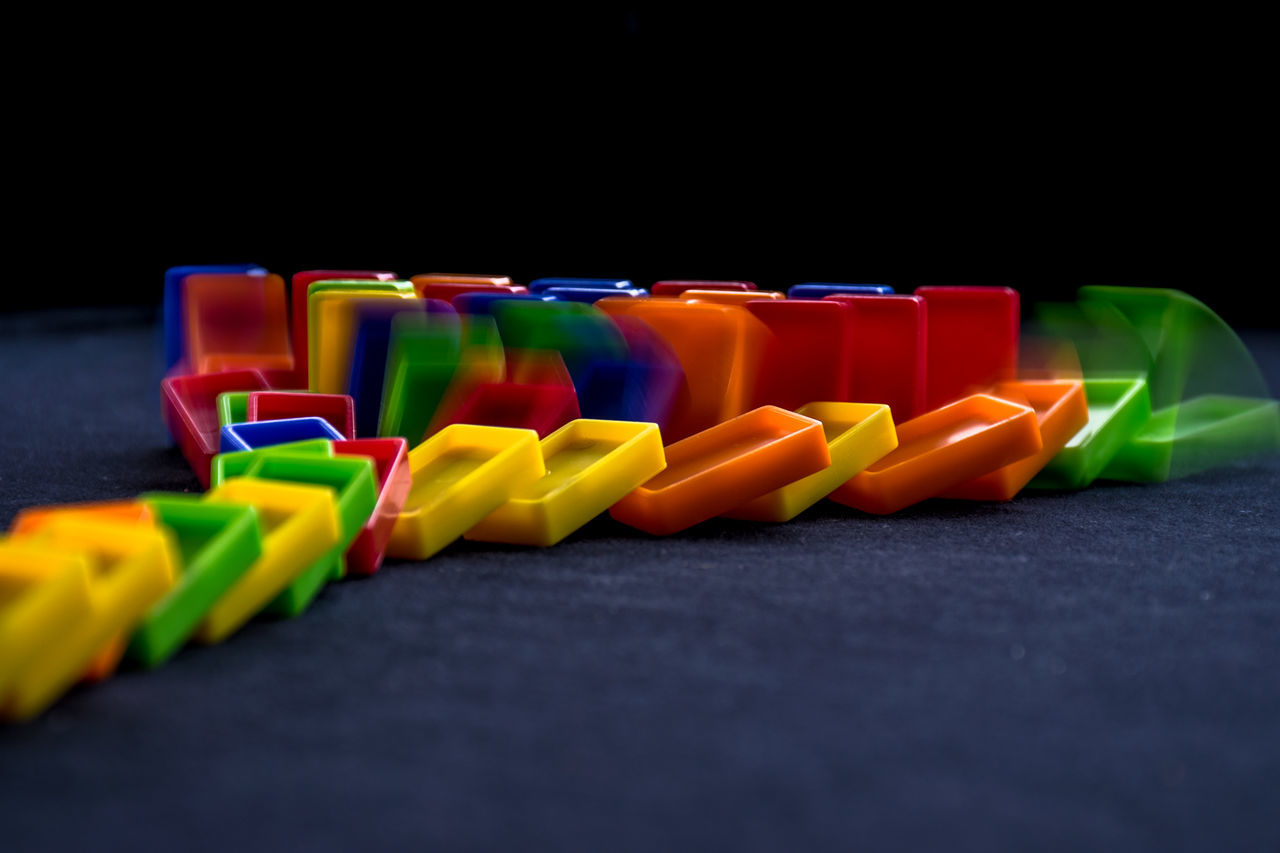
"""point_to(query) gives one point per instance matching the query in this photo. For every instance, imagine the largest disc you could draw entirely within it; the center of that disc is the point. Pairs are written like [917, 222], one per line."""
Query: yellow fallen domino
[133, 567]
[858, 434]
[300, 529]
[591, 465]
[44, 592]
[460, 475]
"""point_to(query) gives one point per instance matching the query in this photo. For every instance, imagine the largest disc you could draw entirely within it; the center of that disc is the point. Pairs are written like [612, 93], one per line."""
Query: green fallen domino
[355, 485]
[218, 543]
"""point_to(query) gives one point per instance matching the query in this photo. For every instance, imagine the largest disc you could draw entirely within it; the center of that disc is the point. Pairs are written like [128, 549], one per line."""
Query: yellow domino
[44, 592]
[858, 434]
[132, 567]
[335, 334]
[591, 465]
[460, 475]
[330, 336]
[300, 527]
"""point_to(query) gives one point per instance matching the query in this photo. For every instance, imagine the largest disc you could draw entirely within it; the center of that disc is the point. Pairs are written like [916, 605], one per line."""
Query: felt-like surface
[1093, 670]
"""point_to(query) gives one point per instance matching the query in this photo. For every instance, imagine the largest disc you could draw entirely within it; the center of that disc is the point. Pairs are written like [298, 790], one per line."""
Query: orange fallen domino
[942, 449]
[719, 469]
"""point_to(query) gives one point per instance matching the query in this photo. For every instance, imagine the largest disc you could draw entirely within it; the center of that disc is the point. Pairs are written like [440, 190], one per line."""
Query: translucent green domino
[1197, 435]
[422, 357]
[1118, 409]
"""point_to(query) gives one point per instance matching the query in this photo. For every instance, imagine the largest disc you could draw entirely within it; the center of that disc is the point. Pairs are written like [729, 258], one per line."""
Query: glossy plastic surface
[298, 286]
[719, 349]
[33, 519]
[44, 594]
[730, 297]
[888, 355]
[1118, 409]
[1189, 351]
[539, 285]
[233, 407]
[237, 462]
[390, 457]
[590, 295]
[716, 470]
[541, 408]
[591, 465]
[252, 435]
[355, 490]
[435, 286]
[423, 356]
[217, 543]
[460, 475]
[175, 310]
[674, 287]
[190, 411]
[1061, 412]
[1197, 435]
[337, 409]
[823, 289]
[463, 278]
[808, 354]
[133, 568]
[335, 316]
[481, 360]
[300, 527]
[236, 322]
[481, 301]
[944, 448]
[1211, 403]
[972, 340]
[581, 334]
[641, 386]
[373, 323]
[857, 435]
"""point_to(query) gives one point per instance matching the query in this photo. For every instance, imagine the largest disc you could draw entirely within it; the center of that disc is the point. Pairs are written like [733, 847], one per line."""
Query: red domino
[972, 340]
[888, 352]
[190, 410]
[391, 460]
[675, 288]
[298, 305]
[808, 353]
[338, 409]
[541, 408]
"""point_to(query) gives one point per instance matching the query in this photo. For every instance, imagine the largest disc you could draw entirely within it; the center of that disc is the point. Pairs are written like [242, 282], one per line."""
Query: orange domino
[730, 297]
[943, 448]
[36, 518]
[237, 321]
[1061, 412]
[718, 347]
[721, 468]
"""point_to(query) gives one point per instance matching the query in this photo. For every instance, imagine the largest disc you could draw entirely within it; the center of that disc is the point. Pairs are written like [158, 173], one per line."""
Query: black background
[1039, 152]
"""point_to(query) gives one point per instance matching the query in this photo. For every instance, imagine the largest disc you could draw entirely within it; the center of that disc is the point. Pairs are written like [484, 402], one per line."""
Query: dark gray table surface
[1094, 670]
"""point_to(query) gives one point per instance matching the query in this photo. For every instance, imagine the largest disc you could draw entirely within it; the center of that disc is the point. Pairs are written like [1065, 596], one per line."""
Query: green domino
[1202, 433]
[582, 334]
[422, 357]
[1211, 405]
[355, 485]
[1118, 409]
[218, 543]
[331, 284]
[233, 407]
[237, 463]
